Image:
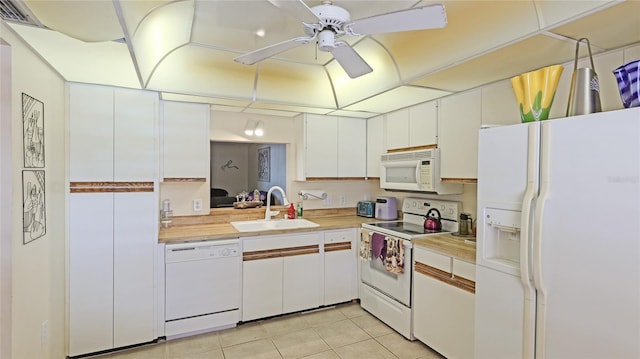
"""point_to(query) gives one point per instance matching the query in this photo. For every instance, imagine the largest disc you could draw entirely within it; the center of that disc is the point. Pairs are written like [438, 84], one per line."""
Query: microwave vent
[408, 156]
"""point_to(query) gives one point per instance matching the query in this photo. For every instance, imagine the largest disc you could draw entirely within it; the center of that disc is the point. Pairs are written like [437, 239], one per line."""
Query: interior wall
[38, 279]
[6, 216]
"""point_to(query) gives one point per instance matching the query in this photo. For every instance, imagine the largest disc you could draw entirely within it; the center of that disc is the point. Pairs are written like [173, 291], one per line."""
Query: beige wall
[38, 268]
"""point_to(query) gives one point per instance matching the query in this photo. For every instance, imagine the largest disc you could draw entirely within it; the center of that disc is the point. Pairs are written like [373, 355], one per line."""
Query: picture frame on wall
[264, 164]
[34, 218]
[32, 132]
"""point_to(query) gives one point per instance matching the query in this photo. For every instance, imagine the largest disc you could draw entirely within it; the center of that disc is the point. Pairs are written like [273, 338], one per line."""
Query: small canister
[465, 224]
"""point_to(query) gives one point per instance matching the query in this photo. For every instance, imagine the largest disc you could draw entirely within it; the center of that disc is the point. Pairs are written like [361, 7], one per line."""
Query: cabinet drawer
[339, 236]
[464, 269]
[432, 259]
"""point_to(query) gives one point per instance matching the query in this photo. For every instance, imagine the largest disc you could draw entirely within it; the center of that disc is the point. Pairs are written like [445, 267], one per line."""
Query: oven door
[396, 286]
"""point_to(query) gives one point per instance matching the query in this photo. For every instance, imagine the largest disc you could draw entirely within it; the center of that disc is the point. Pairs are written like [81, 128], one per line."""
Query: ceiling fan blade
[297, 9]
[352, 63]
[420, 18]
[254, 56]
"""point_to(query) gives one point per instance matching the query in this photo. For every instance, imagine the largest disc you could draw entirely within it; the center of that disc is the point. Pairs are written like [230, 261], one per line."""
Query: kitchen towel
[365, 245]
[394, 258]
[378, 246]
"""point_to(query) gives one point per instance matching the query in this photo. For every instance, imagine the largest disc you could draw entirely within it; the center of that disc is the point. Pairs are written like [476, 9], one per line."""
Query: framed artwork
[32, 132]
[34, 219]
[264, 164]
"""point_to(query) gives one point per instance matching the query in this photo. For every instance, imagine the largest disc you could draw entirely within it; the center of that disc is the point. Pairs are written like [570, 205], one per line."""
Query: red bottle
[292, 212]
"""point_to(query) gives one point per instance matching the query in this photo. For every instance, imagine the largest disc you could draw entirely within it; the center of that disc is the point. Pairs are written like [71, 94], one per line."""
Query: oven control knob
[226, 252]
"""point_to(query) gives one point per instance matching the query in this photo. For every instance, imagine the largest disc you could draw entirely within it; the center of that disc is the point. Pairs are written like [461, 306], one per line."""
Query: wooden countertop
[444, 243]
[449, 244]
[205, 232]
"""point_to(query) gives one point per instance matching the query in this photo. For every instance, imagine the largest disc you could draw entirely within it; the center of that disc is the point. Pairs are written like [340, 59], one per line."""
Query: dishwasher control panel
[202, 250]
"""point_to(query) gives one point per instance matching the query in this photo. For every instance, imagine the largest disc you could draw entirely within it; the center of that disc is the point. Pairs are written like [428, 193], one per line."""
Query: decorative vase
[535, 91]
[628, 77]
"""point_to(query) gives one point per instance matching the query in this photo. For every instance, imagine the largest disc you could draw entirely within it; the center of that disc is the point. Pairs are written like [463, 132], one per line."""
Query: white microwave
[417, 171]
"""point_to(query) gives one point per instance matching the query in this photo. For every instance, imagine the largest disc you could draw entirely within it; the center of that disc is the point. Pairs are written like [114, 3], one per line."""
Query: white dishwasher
[202, 286]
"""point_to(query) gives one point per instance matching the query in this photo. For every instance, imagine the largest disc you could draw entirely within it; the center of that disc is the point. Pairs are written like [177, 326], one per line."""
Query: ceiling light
[259, 131]
[261, 32]
[249, 127]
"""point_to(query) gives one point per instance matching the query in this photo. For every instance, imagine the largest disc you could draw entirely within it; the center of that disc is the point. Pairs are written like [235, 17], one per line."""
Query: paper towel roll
[313, 194]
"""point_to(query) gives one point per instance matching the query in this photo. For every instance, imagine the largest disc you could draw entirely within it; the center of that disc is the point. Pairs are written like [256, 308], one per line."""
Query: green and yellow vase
[535, 91]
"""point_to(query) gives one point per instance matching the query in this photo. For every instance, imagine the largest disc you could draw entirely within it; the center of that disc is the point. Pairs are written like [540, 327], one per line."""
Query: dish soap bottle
[292, 212]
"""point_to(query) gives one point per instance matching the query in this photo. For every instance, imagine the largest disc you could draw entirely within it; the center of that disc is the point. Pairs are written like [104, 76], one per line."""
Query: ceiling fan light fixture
[326, 40]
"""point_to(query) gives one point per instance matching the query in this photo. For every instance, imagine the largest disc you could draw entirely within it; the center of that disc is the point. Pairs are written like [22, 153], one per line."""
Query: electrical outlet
[44, 332]
[197, 205]
[343, 200]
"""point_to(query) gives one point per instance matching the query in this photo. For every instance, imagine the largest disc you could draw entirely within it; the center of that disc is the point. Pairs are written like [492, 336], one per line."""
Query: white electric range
[388, 295]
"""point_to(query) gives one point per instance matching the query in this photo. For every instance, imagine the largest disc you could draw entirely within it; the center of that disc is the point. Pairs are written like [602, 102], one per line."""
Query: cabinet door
[135, 135]
[352, 147]
[261, 288]
[397, 129]
[321, 146]
[340, 266]
[458, 126]
[423, 122]
[90, 272]
[90, 133]
[375, 145]
[135, 237]
[302, 282]
[185, 145]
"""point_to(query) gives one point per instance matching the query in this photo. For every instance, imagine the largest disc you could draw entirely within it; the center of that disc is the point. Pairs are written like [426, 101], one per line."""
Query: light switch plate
[197, 205]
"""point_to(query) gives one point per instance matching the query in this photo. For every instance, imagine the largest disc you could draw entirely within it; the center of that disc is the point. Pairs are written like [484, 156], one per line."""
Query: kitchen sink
[274, 224]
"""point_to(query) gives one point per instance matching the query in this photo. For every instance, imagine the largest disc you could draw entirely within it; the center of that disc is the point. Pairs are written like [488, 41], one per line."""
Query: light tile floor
[344, 331]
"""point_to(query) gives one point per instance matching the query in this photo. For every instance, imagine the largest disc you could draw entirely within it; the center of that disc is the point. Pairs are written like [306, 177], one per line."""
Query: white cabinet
[112, 217]
[397, 129]
[281, 274]
[375, 145]
[340, 266]
[352, 147]
[185, 141]
[412, 127]
[112, 238]
[321, 140]
[423, 124]
[458, 126]
[335, 147]
[443, 312]
[112, 134]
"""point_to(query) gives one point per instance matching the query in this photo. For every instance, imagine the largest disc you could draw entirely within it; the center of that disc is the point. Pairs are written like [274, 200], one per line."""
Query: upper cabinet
[458, 126]
[375, 145]
[112, 134]
[413, 127]
[185, 141]
[335, 147]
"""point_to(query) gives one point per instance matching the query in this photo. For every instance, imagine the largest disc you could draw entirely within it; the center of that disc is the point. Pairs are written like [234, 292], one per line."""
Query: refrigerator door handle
[528, 343]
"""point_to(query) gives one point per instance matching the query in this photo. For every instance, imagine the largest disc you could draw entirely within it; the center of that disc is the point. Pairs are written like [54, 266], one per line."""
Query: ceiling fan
[327, 22]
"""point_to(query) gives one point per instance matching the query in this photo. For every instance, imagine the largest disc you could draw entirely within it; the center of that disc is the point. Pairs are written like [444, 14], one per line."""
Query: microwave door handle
[418, 172]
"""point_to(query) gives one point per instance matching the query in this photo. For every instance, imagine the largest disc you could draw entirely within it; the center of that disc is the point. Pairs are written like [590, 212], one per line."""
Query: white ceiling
[185, 49]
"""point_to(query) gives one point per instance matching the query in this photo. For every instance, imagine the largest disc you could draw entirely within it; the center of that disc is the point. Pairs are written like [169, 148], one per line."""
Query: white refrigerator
[558, 248]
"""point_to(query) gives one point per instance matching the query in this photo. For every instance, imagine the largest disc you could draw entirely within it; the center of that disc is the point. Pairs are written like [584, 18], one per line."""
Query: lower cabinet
[112, 241]
[443, 311]
[281, 274]
[340, 266]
